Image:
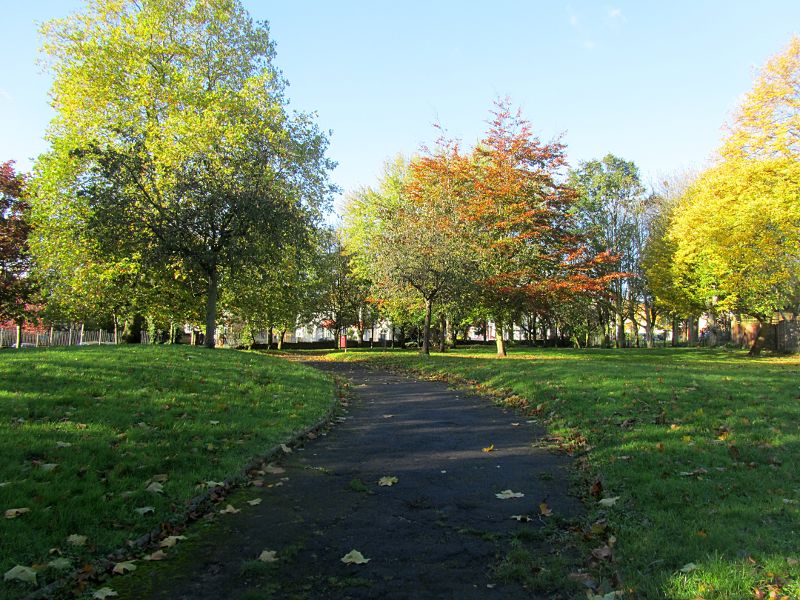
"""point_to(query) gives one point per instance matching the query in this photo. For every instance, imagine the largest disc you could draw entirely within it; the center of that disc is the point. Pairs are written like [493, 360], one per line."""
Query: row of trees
[504, 232]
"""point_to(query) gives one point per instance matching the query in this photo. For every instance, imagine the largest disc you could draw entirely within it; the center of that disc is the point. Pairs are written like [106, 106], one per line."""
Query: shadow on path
[434, 534]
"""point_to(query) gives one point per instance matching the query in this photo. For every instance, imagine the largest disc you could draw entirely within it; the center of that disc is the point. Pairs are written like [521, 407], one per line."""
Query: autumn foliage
[15, 287]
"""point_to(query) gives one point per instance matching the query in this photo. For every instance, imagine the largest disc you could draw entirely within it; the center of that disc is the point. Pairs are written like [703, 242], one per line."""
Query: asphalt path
[434, 534]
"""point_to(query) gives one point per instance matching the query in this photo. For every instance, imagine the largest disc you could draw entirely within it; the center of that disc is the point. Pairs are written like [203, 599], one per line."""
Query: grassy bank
[105, 443]
[699, 447]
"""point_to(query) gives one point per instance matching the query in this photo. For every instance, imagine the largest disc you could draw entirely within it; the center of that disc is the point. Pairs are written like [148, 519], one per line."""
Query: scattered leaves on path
[169, 542]
[103, 593]
[607, 502]
[506, 494]
[20, 573]
[77, 540]
[354, 557]
[489, 448]
[13, 513]
[387, 481]
[268, 556]
[124, 567]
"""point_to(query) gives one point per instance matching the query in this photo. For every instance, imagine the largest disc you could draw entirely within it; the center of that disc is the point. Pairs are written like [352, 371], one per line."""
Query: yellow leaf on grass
[13, 513]
[388, 480]
[489, 448]
[545, 510]
[76, 540]
[169, 542]
[20, 573]
[506, 494]
[268, 556]
[155, 488]
[354, 557]
[124, 567]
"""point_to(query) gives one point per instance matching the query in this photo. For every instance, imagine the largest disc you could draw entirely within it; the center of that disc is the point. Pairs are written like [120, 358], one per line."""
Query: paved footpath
[433, 535]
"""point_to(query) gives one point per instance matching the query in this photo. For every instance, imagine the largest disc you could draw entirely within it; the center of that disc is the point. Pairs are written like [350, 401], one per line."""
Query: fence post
[19, 336]
[80, 343]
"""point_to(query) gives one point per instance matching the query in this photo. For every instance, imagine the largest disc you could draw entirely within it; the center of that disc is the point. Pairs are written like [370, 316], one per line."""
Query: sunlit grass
[83, 431]
[700, 446]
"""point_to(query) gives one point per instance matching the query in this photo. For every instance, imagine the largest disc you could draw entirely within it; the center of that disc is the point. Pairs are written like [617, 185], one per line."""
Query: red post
[343, 342]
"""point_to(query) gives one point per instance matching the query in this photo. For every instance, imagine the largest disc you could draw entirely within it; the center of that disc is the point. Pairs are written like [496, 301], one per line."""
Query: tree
[409, 235]
[16, 285]
[736, 229]
[522, 210]
[176, 122]
[611, 210]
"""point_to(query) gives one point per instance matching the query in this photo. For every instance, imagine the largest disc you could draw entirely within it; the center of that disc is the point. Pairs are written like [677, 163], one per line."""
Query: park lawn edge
[98, 568]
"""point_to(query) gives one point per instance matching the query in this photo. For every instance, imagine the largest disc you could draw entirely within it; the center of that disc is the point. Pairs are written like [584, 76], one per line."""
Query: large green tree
[175, 123]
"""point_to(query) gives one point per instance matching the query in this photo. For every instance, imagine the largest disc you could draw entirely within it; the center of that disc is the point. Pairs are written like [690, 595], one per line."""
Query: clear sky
[652, 82]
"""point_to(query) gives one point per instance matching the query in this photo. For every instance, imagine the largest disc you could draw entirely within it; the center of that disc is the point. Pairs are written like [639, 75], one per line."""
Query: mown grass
[700, 446]
[83, 432]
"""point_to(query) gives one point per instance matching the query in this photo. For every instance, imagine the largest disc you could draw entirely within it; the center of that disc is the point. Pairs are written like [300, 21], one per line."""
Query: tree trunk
[211, 308]
[620, 342]
[442, 333]
[269, 338]
[766, 337]
[280, 339]
[675, 331]
[426, 332]
[498, 339]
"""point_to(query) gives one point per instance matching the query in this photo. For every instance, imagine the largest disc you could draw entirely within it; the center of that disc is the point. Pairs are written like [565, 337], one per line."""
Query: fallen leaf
[103, 593]
[660, 446]
[608, 501]
[268, 556]
[48, 466]
[521, 518]
[387, 481]
[286, 449]
[13, 513]
[144, 510]
[169, 542]
[489, 448]
[229, 510]
[160, 478]
[155, 488]
[701, 533]
[77, 540]
[596, 489]
[254, 502]
[688, 568]
[124, 567]
[791, 561]
[213, 484]
[545, 510]
[602, 553]
[506, 494]
[354, 557]
[63, 445]
[157, 555]
[20, 573]
[60, 563]
[273, 470]
[214, 422]
[515, 424]
[387, 416]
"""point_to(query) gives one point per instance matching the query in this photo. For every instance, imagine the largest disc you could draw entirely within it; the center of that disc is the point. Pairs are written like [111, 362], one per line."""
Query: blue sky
[652, 82]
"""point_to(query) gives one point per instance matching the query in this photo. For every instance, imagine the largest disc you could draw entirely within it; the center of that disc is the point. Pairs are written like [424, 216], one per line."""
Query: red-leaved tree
[15, 285]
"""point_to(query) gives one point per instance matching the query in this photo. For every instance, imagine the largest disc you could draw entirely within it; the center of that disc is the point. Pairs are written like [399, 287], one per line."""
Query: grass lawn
[700, 448]
[85, 432]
